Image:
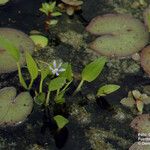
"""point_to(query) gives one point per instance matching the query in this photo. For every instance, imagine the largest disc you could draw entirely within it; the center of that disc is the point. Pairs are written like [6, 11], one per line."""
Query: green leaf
[55, 14]
[56, 83]
[68, 72]
[92, 70]
[3, 2]
[40, 98]
[107, 89]
[52, 6]
[52, 22]
[10, 47]
[61, 121]
[44, 73]
[32, 66]
[60, 98]
[39, 40]
[139, 105]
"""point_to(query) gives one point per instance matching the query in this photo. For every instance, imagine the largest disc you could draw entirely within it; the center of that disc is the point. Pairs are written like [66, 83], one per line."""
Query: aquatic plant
[60, 121]
[107, 89]
[59, 77]
[56, 69]
[70, 6]
[136, 99]
[21, 42]
[3, 2]
[39, 41]
[121, 35]
[139, 146]
[145, 59]
[50, 10]
[14, 109]
[141, 123]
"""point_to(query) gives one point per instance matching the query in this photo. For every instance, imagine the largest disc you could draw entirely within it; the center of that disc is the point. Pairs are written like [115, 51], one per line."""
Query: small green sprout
[50, 10]
[60, 121]
[107, 89]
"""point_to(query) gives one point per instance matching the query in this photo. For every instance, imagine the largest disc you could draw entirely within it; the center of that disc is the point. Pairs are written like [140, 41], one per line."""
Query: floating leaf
[32, 66]
[39, 40]
[128, 34]
[56, 83]
[61, 121]
[146, 16]
[92, 70]
[14, 110]
[141, 123]
[10, 47]
[21, 42]
[107, 89]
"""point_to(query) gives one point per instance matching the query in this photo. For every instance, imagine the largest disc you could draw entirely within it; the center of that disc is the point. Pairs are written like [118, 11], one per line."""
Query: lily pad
[14, 109]
[21, 41]
[39, 40]
[141, 123]
[139, 146]
[121, 35]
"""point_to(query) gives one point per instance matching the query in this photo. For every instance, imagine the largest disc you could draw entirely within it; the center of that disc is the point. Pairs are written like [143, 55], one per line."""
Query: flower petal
[54, 64]
[59, 66]
[61, 70]
[57, 74]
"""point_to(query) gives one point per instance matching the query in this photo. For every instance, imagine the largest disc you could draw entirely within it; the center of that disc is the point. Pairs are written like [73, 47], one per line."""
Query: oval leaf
[56, 83]
[10, 47]
[92, 70]
[107, 89]
[32, 66]
[39, 40]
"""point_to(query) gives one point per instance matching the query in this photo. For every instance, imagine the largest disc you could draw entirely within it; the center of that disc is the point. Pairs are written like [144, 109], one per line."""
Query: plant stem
[66, 86]
[78, 87]
[47, 98]
[31, 83]
[21, 79]
[43, 62]
[57, 92]
[40, 87]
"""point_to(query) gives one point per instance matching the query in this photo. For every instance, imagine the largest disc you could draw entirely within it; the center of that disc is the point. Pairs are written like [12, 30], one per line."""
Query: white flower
[56, 69]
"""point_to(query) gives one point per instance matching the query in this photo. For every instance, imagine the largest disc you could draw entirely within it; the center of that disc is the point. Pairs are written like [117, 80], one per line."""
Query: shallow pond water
[94, 123]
